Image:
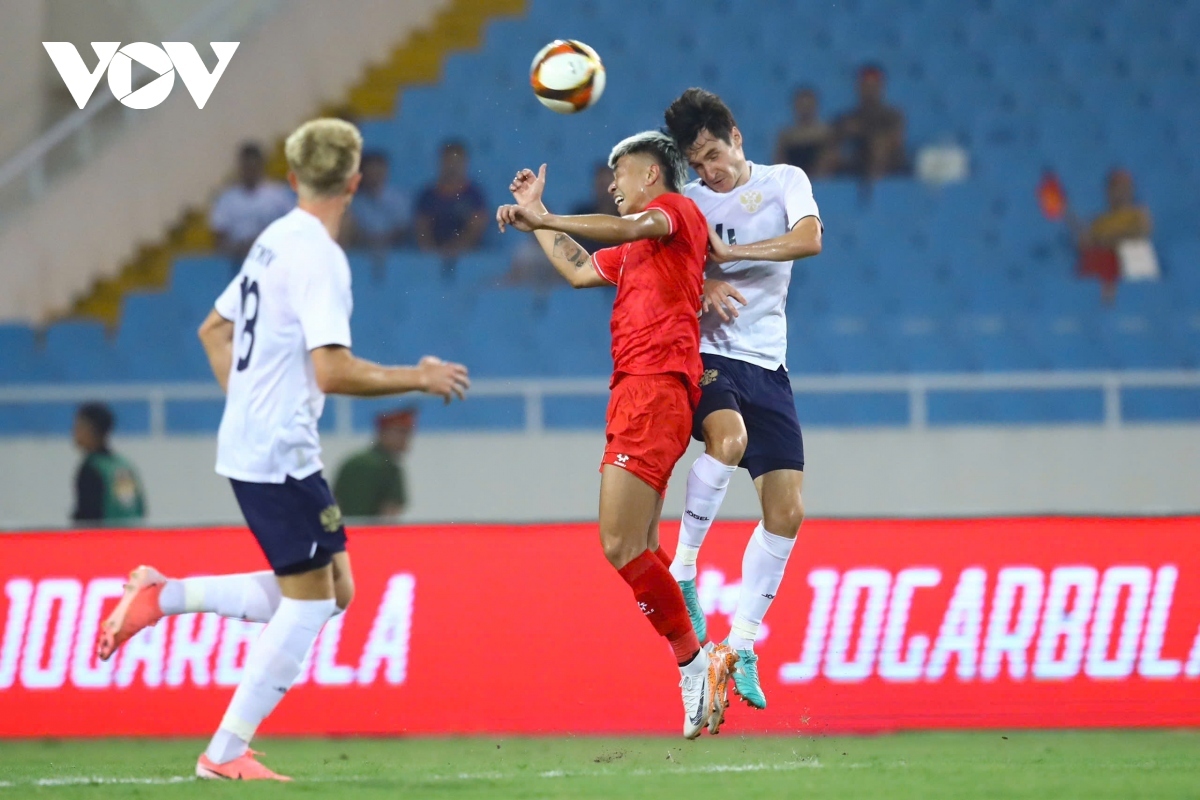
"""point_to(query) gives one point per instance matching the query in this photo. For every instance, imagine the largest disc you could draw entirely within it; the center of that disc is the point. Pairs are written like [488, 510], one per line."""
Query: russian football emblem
[331, 519]
[708, 377]
[751, 200]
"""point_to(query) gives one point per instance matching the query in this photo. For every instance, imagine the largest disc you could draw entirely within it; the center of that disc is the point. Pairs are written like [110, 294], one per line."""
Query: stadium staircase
[415, 62]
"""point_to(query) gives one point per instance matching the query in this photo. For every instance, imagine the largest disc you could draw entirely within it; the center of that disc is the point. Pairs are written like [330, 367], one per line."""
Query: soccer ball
[567, 76]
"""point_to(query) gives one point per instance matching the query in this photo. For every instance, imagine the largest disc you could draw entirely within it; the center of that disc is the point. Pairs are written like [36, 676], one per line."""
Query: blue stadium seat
[573, 333]
[995, 344]
[853, 346]
[80, 351]
[1063, 341]
[1161, 405]
[1138, 341]
[1054, 407]
[499, 337]
[197, 282]
[153, 344]
[20, 362]
[924, 344]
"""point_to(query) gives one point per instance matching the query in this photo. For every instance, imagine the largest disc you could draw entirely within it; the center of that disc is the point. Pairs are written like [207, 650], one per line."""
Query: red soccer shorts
[649, 426]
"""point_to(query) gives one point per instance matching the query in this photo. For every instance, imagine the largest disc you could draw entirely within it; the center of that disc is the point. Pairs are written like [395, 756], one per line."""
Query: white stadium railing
[917, 387]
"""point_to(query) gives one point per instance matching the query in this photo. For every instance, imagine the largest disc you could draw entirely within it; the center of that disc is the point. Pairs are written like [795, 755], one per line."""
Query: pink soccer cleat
[138, 609]
[243, 768]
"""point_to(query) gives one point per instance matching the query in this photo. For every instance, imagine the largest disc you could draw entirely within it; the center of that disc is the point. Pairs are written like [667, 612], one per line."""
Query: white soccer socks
[252, 596]
[272, 666]
[707, 483]
[762, 571]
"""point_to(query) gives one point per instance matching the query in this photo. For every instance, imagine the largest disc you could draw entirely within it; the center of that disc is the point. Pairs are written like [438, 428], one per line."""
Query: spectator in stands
[806, 142]
[601, 201]
[1100, 244]
[371, 483]
[381, 215]
[452, 212]
[246, 208]
[869, 138]
[107, 487]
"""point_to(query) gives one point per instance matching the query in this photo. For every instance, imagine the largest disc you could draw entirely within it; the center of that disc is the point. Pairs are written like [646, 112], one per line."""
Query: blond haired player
[278, 341]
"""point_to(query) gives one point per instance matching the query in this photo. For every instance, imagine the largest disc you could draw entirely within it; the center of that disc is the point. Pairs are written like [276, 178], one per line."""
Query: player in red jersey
[657, 264]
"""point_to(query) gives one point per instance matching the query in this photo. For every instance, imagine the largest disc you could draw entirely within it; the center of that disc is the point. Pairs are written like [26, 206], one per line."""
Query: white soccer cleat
[699, 683]
[697, 701]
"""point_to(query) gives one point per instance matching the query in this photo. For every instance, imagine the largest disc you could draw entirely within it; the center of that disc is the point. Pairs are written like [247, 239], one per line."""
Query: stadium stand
[914, 279]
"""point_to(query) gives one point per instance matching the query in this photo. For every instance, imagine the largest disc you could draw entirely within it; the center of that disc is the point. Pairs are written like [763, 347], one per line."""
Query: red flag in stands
[1051, 196]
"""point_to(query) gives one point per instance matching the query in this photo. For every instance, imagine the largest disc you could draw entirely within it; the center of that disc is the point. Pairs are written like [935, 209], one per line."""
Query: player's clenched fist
[444, 379]
[520, 217]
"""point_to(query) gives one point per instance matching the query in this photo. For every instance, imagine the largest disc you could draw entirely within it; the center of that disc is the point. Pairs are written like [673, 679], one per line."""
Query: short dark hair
[99, 416]
[872, 69]
[374, 155]
[454, 145]
[665, 151]
[250, 150]
[699, 110]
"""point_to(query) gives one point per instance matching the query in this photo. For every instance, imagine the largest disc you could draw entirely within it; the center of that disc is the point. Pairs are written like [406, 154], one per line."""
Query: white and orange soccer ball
[567, 76]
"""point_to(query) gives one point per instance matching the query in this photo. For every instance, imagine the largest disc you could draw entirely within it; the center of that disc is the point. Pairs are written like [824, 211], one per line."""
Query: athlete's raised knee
[728, 448]
[619, 551]
[785, 519]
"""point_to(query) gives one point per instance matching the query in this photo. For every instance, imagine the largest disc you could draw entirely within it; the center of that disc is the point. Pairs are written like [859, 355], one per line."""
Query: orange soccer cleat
[138, 609]
[243, 768]
[722, 661]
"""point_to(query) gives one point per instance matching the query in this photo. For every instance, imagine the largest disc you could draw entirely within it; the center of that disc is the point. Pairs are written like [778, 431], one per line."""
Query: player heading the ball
[278, 341]
[764, 217]
[657, 264]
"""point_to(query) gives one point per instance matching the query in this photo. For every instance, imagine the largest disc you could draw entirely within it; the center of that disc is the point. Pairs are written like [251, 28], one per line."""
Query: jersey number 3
[249, 319]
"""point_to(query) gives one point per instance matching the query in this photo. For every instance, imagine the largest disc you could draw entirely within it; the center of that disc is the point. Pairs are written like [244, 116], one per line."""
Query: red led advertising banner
[879, 625]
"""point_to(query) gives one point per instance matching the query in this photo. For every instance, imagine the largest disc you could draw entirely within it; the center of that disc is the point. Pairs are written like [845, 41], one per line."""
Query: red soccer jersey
[655, 319]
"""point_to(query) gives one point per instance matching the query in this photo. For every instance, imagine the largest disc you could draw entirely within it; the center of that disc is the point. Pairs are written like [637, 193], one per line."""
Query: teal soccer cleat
[699, 621]
[745, 679]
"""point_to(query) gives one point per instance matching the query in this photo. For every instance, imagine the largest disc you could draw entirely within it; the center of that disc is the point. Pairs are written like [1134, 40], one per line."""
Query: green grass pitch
[1100, 764]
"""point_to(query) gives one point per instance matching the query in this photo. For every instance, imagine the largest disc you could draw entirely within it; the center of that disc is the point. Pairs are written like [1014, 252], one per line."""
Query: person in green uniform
[107, 487]
[370, 483]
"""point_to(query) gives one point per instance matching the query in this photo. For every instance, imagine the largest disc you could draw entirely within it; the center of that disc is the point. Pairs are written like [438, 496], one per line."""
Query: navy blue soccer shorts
[297, 523]
[764, 399]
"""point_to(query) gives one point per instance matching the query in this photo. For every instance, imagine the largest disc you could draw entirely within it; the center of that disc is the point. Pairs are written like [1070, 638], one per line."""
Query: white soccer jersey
[291, 296]
[766, 206]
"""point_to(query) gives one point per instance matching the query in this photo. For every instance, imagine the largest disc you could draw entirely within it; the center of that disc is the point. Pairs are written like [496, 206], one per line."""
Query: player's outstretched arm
[338, 371]
[216, 335]
[527, 190]
[802, 241]
[607, 229]
[568, 257]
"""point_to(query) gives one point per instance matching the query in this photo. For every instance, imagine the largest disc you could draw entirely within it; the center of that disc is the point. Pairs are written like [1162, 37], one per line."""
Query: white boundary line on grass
[96, 780]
